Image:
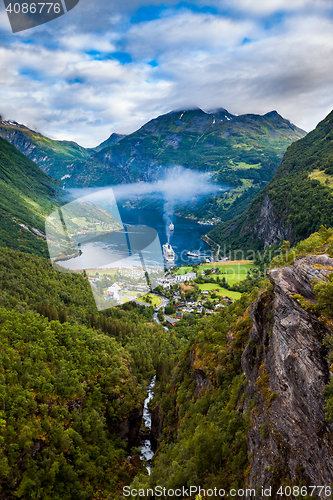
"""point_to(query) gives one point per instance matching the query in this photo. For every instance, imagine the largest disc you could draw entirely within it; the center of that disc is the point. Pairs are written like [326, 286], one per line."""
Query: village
[193, 290]
[186, 297]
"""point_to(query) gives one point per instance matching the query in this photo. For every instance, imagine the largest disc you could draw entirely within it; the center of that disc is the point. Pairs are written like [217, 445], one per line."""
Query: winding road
[164, 303]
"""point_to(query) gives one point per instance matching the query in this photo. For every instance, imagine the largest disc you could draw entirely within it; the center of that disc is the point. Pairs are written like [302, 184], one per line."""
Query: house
[171, 321]
[205, 292]
[185, 277]
[179, 314]
[113, 292]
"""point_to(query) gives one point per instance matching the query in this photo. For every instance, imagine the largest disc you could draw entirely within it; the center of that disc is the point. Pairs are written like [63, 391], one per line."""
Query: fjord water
[185, 237]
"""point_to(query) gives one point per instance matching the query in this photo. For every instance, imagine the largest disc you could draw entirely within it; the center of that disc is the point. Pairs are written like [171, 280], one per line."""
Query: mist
[176, 187]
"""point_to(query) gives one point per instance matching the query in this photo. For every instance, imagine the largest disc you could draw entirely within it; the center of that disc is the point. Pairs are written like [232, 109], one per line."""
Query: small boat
[171, 227]
[168, 253]
[193, 254]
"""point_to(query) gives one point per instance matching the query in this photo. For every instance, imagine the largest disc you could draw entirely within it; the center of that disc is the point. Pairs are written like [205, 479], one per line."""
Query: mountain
[56, 158]
[296, 202]
[27, 196]
[113, 139]
[59, 159]
[239, 151]
[229, 147]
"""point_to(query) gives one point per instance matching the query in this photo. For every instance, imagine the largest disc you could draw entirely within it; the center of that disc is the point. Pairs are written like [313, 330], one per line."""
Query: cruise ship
[168, 253]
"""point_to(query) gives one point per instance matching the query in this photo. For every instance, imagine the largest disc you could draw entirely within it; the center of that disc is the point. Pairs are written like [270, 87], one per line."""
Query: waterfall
[146, 451]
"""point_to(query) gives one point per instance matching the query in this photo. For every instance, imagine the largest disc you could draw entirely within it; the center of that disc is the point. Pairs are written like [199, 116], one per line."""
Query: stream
[146, 451]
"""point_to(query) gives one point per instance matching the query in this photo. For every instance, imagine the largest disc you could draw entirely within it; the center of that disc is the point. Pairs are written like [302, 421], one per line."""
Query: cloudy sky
[110, 66]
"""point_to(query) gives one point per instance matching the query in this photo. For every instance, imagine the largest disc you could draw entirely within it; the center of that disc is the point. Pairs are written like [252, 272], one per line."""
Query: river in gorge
[147, 453]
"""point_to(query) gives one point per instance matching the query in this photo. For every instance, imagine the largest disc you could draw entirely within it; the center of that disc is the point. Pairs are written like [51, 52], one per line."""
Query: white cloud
[54, 85]
[185, 32]
[268, 7]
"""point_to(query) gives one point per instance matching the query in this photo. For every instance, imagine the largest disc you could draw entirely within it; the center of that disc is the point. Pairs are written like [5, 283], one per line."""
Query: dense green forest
[300, 193]
[64, 392]
[78, 374]
[71, 377]
[27, 195]
[204, 440]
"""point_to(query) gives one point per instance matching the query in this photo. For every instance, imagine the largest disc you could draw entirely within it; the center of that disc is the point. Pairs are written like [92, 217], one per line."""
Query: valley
[239, 351]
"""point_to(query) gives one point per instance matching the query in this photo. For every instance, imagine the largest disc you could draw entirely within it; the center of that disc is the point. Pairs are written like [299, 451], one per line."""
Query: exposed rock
[35, 448]
[75, 404]
[201, 382]
[285, 363]
[268, 227]
[136, 460]
[130, 426]
[156, 427]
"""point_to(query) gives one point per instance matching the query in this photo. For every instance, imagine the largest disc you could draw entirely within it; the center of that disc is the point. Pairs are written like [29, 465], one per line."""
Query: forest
[71, 377]
[300, 193]
[78, 374]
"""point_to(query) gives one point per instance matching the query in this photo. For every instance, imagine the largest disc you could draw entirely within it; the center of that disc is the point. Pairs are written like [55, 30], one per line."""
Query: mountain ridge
[27, 196]
[296, 202]
[242, 152]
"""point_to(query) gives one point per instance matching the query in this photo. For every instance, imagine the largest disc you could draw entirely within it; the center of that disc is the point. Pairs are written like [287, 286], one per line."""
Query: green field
[221, 291]
[155, 301]
[322, 177]
[184, 269]
[234, 273]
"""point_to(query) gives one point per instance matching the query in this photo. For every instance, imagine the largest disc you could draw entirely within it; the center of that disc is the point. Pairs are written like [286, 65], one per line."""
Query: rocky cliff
[289, 441]
[268, 227]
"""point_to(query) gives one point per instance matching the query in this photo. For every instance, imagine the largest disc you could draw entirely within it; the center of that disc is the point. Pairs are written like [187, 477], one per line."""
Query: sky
[111, 66]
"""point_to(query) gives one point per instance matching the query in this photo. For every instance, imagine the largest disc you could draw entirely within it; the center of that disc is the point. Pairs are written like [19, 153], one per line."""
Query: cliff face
[269, 228]
[130, 426]
[289, 440]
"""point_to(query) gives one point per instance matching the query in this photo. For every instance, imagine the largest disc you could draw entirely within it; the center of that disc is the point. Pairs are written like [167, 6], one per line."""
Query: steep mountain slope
[297, 200]
[113, 139]
[229, 147]
[27, 196]
[240, 151]
[287, 362]
[56, 158]
[290, 440]
[250, 405]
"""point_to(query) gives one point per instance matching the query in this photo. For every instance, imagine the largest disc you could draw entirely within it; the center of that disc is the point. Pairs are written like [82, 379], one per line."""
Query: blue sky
[111, 66]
